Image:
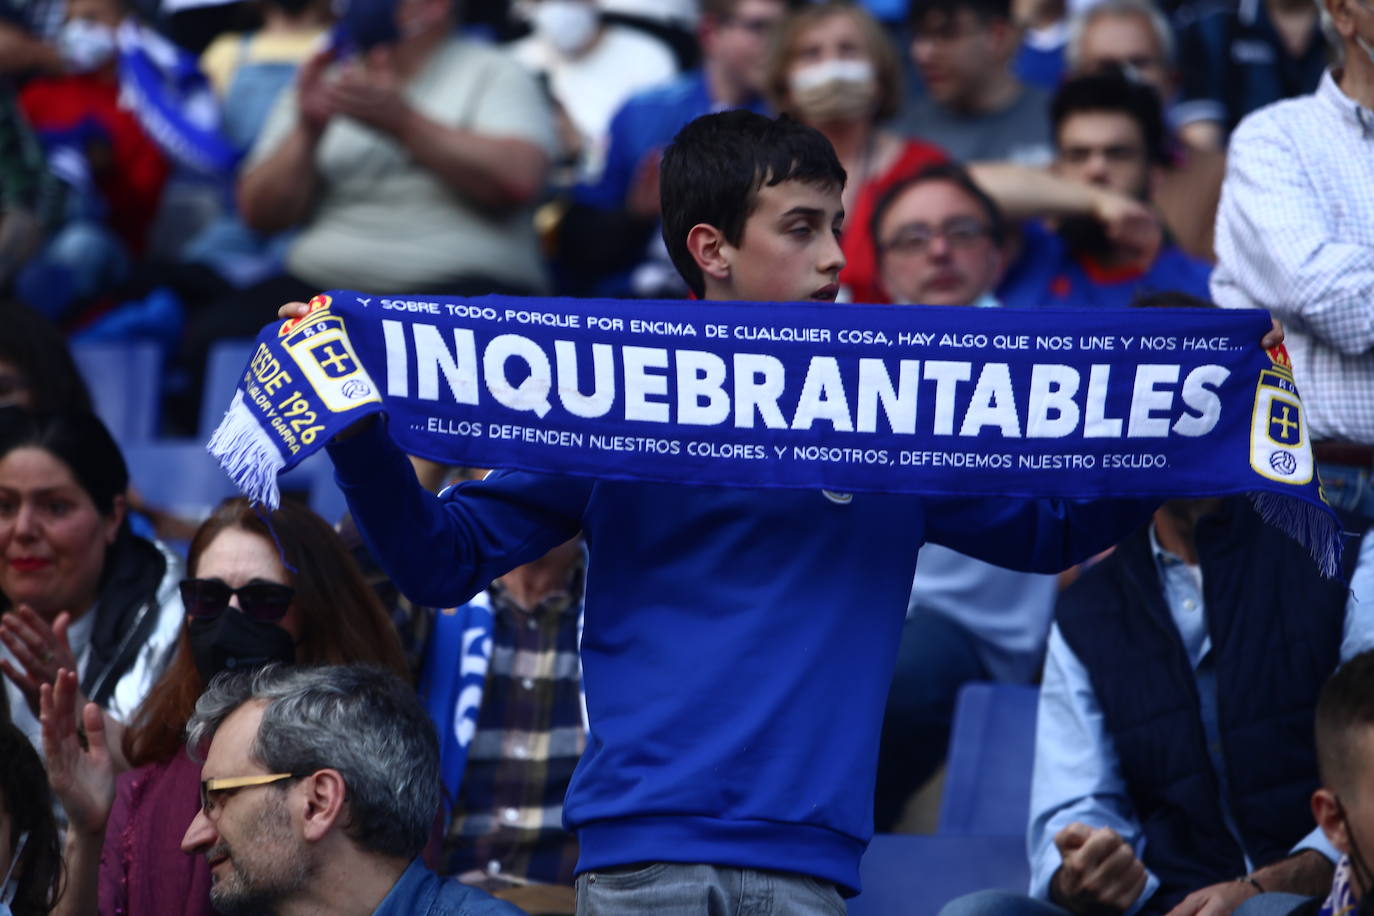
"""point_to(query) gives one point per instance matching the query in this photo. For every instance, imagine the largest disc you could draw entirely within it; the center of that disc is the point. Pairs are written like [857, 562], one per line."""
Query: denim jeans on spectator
[1348, 488]
[671, 889]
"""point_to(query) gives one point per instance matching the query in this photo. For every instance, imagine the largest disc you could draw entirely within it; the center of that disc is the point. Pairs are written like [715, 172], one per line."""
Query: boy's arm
[441, 550]
[1032, 535]
[1076, 790]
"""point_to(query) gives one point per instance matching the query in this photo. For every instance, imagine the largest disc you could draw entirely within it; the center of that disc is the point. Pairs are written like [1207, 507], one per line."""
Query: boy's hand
[1274, 336]
[293, 310]
[1100, 874]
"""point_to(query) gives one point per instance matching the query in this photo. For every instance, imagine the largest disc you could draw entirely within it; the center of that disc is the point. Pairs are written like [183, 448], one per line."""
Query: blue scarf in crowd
[1147, 403]
[173, 101]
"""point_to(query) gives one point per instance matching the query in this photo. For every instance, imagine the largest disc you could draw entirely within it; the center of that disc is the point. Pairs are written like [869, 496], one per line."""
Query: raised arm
[441, 550]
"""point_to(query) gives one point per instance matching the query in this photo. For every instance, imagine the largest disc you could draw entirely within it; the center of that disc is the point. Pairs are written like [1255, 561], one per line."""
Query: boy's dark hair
[1112, 92]
[949, 172]
[984, 10]
[1345, 710]
[1171, 299]
[715, 166]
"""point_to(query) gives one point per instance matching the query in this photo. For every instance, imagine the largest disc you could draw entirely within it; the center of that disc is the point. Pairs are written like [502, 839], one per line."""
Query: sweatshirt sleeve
[441, 550]
[1033, 535]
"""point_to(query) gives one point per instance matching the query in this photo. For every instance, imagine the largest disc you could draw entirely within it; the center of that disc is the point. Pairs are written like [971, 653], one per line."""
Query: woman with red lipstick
[77, 587]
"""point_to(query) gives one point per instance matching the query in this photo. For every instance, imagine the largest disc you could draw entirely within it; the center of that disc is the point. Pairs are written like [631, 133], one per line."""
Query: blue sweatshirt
[738, 644]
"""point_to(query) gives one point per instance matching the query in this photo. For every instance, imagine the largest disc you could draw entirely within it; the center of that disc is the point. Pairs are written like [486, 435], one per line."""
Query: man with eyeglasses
[939, 242]
[1109, 133]
[607, 240]
[320, 788]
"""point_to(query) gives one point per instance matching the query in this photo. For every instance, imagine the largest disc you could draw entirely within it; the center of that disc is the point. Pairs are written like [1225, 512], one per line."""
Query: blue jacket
[1276, 630]
[738, 644]
[420, 892]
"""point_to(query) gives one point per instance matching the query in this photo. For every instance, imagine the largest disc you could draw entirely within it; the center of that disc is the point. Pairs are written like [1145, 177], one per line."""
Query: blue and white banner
[1137, 403]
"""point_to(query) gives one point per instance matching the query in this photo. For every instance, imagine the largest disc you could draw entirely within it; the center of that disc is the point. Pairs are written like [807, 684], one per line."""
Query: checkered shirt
[1295, 235]
[509, 812]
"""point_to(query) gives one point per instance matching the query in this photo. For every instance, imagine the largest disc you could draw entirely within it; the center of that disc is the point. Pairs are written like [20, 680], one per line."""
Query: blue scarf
[163, 86]
[1149, 403]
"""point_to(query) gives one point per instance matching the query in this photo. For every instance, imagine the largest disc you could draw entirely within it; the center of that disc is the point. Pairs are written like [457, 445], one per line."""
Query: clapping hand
[79, 765]
[40, 649]
[371, 92]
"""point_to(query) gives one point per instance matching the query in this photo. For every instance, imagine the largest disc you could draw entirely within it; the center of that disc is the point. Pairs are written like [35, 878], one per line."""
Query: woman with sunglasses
[79, 590]
[278, 588]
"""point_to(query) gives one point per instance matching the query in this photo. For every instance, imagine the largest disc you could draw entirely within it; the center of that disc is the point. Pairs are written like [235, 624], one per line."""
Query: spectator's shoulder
[667, 96]
[483, 55]
[1276, 119]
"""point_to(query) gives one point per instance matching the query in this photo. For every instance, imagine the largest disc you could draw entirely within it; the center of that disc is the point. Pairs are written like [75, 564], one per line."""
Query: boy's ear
[1327, 814]
[706, 244]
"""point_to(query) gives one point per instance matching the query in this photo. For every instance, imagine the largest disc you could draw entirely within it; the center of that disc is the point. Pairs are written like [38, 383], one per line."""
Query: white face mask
[10, 888]
[85, 45]
[834, 90]
[568, 25]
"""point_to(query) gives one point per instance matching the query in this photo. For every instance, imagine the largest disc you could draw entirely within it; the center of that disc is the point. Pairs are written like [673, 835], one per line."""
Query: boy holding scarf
[738, 643]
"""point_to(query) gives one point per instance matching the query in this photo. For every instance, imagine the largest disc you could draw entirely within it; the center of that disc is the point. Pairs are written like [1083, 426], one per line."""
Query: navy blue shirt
[1236, 62]
[420, 892]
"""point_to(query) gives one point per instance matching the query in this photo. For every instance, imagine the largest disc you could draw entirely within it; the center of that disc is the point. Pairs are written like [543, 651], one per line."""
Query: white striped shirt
[1295, 235]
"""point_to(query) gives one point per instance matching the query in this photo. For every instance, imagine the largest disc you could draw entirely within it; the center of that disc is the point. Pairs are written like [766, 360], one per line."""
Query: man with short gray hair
[320, 788]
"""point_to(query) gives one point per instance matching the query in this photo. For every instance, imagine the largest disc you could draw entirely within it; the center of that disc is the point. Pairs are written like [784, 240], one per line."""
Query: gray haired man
[319, 790]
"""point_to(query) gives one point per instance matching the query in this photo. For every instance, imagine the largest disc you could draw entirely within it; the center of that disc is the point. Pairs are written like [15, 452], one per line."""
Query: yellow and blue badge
[1279, 446]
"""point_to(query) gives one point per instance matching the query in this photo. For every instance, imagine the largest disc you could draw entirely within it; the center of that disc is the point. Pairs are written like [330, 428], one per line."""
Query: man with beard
[320, 789]
[1108, 132]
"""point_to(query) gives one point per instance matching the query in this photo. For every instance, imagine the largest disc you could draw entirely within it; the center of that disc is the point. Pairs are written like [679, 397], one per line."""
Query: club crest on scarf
[1279, 448]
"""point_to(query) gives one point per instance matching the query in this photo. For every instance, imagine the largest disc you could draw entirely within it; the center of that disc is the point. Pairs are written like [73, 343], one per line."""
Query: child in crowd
[739, 643]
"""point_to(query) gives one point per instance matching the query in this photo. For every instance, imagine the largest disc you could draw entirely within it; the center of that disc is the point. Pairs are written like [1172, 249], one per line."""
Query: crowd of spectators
[173, 173]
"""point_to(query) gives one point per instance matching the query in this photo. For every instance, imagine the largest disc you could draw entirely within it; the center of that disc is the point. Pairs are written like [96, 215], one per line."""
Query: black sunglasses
[266, 601]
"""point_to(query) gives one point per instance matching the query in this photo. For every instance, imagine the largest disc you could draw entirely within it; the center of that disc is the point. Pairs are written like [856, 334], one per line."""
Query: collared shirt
[509, 812]
[420, 892]
[1077, 773]
[1295, 235]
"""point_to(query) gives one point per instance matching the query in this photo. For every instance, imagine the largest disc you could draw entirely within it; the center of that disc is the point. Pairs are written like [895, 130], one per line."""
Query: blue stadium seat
[991, 754]
[906, 875]
[223, 368]
[178, 476]
[125, 380]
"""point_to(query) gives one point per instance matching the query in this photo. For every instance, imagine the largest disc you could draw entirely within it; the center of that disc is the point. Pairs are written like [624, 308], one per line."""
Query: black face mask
[232, 641]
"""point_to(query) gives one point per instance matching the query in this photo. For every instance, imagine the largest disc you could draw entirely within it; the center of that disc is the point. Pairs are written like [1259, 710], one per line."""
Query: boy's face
[790, 248]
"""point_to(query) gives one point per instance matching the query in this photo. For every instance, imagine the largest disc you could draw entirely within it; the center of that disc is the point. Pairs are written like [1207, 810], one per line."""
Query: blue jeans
[1348, 488]
[1271, 904]
[936, 658]
[671, 889]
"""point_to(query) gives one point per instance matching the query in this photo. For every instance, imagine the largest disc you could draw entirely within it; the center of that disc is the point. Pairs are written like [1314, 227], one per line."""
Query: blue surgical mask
[10, 888]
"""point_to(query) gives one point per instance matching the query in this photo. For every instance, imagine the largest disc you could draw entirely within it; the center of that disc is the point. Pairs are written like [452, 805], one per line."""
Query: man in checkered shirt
[1295, 235]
